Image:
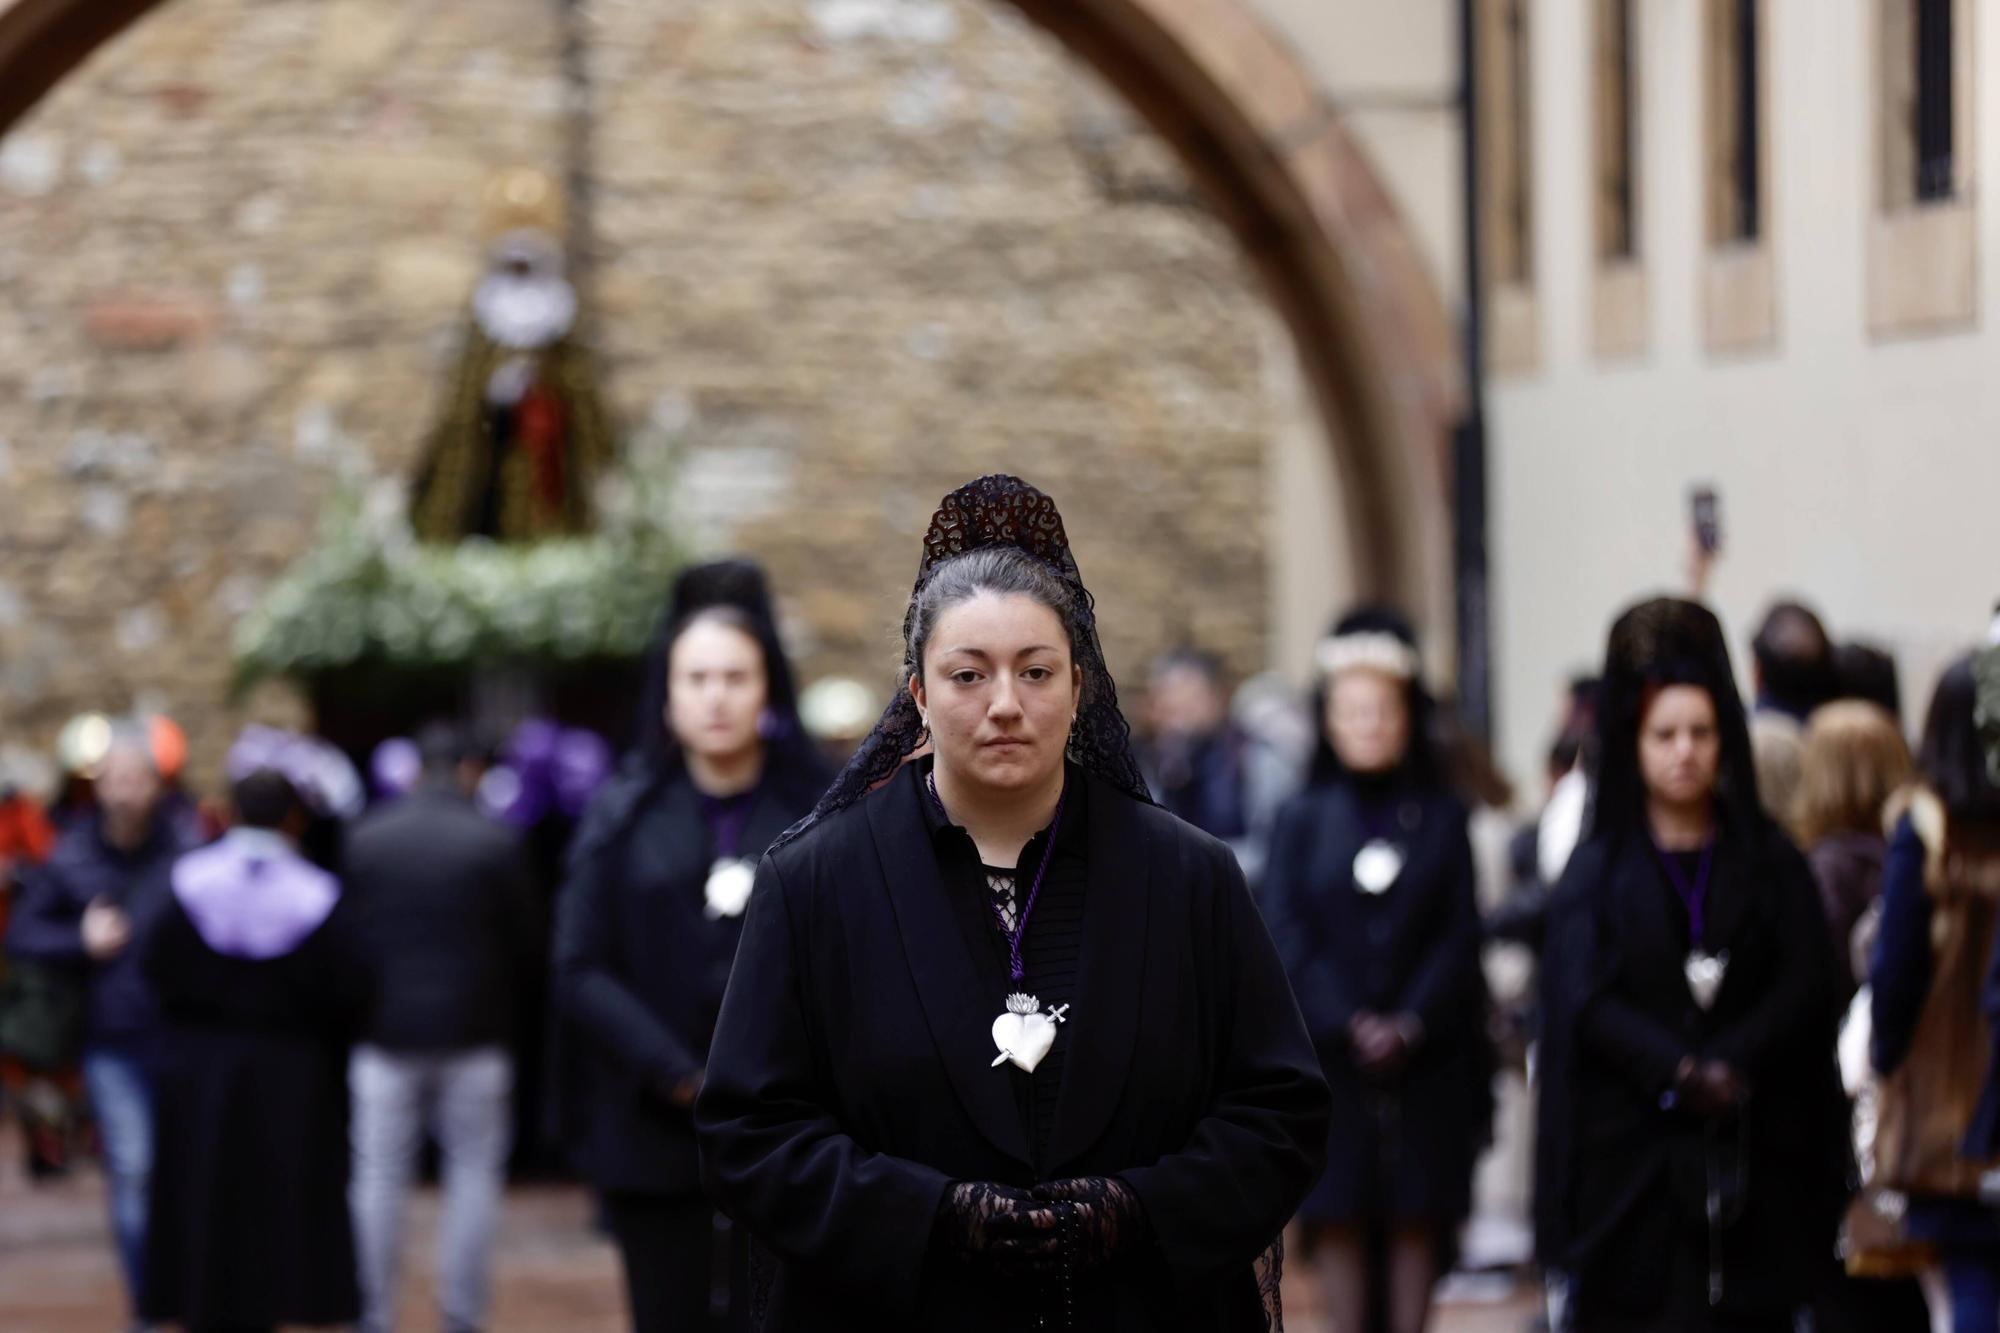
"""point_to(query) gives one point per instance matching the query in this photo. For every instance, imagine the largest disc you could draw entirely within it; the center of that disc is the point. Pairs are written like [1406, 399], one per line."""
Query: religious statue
[523, 437]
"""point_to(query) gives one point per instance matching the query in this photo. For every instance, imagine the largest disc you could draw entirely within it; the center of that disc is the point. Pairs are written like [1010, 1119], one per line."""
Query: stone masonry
[850, 252]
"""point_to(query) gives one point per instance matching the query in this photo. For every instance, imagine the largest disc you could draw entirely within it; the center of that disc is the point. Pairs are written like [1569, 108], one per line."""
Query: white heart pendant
[1024, 1034]
[1705, 972]
[1377, 866]
[728, 891]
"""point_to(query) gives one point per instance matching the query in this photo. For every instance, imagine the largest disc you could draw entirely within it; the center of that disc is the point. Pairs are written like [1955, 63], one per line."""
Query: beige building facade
[1830, 376]
[1827, 368]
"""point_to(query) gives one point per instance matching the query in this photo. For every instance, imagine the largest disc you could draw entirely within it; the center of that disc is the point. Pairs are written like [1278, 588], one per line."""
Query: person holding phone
[1705, 539]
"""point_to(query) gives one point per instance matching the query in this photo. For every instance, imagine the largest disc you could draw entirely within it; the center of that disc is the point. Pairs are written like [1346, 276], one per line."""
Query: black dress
[1626, 1178]
[851, 1081]
[1401, 1148]
[249, 1222]
[640, 972]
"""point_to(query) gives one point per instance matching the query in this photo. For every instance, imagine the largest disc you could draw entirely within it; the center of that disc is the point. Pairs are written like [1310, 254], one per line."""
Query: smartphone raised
[1706, 510]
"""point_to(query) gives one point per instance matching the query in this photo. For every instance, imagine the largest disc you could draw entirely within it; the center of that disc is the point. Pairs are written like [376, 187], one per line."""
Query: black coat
[1623, 1171]
[640, 971]
[850, 1082]
[249, 1220]
[447, 919]
[1401, 1147]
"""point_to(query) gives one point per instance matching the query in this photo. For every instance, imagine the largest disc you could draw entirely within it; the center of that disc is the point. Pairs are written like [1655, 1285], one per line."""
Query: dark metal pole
[1469, 561]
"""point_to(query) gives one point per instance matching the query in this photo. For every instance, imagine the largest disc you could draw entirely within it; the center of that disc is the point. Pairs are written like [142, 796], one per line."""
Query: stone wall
[851, 251]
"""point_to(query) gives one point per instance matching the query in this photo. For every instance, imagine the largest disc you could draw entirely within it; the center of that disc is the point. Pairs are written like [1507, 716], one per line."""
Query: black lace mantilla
[997, 511]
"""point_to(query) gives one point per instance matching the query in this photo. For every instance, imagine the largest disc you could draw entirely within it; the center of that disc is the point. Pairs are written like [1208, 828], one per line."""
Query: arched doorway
[1371, 332]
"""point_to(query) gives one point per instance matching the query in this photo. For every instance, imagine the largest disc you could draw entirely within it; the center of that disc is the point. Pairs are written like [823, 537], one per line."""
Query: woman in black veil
[1007, 1046]
[1691, 1141]
[647, 926]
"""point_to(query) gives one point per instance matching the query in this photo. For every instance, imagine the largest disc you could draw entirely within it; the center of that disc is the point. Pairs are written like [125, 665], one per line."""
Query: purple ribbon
[1379, 818]
[1694, 897]
[727, 818]
[1015, 968]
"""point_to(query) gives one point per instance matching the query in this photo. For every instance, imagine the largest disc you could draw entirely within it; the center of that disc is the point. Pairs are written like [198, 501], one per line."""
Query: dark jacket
[640, 972]
[1401, 1147]
[1623, 1170]
[1201, 780]
[851, 1080]
[48, 923]
[1848, 870]
[445, 919]
[249, 1218]
[1899, 979]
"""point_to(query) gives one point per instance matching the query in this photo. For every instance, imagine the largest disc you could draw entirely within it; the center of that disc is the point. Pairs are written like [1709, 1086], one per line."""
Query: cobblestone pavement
[554, 1275]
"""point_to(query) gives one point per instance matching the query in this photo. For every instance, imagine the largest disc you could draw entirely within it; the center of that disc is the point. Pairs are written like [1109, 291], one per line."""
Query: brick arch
[1300, 196]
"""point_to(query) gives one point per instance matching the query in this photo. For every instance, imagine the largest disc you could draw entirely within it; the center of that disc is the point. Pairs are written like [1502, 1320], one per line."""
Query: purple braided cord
[1020, 930]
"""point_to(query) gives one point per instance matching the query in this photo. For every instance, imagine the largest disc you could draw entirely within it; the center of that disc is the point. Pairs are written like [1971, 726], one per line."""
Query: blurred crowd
[1587, 1022]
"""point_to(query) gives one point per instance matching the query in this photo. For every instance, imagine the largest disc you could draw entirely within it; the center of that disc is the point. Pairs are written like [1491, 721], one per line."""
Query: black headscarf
[1986, 678]
[1663, 642]
[789, 757]
[996, 510]
[739, 586]
[1953, 757]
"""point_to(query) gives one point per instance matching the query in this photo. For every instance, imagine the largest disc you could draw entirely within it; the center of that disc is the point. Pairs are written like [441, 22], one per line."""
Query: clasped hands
[1707, 1087]
[1015, 1232]
[1382, 1042]
[106, 930]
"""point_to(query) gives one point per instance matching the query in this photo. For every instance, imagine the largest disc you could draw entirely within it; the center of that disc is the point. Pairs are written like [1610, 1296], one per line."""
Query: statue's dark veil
[996, 511]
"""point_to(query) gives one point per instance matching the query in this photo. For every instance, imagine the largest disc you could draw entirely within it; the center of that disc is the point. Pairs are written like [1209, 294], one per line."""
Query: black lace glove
[1103, 1219]
[998, 1227]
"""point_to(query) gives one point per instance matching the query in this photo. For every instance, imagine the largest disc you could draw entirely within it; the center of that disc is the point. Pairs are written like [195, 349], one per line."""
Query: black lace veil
[740, 586]
[1666, 641]
[996, 510]
[790, 760]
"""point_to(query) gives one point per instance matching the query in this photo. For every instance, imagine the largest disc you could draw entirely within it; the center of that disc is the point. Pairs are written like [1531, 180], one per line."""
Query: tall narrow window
[1923, 236]
[1501, 35]
[1617, 134]
[1505, 125]
[1740, 307]
[1934, 107]
[1735, 107]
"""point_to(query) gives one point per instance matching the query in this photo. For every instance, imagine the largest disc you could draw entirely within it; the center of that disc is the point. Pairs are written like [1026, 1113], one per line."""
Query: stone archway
[1372, 333]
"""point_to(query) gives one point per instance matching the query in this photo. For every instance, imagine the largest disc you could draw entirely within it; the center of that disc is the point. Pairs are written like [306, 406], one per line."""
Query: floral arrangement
[369, 592]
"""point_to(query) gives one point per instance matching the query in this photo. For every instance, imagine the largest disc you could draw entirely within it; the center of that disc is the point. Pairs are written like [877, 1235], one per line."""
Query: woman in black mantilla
[647, 926]
[1007, 1046]
[1369, 891]
[1691, 1141]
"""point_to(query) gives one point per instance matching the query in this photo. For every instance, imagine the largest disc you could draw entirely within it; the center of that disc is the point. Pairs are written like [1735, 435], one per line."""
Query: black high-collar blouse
[1051, 947]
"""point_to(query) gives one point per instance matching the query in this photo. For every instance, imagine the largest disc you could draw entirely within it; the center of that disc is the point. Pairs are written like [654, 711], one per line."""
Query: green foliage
[369, 592]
